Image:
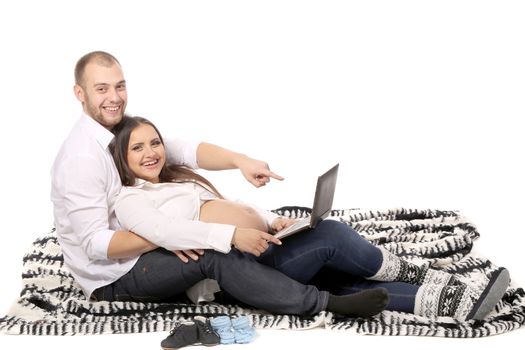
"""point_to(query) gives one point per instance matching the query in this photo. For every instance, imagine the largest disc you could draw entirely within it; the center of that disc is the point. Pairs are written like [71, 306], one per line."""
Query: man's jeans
[160, 275]
[336, 258]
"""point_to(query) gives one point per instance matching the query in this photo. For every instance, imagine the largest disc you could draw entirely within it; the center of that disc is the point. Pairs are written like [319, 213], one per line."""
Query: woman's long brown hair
[169, 173]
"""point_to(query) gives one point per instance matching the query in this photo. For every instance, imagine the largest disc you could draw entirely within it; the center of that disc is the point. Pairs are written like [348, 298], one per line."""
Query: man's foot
[365, 303]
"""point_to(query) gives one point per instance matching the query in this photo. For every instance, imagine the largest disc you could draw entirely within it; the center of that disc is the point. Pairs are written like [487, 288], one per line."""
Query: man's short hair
[99, 57]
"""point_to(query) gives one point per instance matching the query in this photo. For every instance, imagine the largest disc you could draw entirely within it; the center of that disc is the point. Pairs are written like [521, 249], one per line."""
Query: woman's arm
[137, 213]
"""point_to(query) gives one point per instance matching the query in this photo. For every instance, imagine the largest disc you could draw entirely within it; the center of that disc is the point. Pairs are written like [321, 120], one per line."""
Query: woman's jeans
[336, 258]
[160, 276]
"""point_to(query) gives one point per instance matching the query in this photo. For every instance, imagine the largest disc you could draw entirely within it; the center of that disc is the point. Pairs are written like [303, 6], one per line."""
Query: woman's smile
[146, 154]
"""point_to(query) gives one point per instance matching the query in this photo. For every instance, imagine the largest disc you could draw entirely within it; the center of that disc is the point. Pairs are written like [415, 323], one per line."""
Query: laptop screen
[324, 195]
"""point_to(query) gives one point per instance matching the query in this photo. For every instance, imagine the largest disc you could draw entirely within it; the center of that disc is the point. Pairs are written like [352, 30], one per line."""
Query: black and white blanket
[51, 303]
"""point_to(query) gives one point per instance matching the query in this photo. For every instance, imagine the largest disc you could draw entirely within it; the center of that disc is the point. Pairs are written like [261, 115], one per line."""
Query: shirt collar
[140, 183]
[100, 133]
[144, 184]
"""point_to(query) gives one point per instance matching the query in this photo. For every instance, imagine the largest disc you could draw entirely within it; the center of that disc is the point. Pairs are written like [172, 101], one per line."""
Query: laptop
[323, 200]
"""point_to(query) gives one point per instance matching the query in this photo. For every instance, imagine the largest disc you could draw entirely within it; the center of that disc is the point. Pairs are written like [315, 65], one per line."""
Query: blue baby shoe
[222, 325]
[242, 329]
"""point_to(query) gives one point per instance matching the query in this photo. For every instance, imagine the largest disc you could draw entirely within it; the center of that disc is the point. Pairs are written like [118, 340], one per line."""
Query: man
[85, 180]
[115, 265]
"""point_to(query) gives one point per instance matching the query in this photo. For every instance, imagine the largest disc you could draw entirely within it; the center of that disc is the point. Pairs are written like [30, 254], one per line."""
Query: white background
[420, 102]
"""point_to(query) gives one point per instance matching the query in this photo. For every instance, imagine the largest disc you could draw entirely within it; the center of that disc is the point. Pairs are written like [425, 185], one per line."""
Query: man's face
[103, 93]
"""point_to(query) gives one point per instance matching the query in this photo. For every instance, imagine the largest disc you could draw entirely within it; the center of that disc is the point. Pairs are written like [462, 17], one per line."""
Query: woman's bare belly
[222, 211]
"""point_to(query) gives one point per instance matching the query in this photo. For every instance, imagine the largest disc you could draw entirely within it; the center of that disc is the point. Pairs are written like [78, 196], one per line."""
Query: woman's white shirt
[167, 215]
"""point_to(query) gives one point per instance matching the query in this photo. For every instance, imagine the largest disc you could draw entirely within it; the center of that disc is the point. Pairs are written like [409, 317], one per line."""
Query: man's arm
[213, 157]
[126, 244]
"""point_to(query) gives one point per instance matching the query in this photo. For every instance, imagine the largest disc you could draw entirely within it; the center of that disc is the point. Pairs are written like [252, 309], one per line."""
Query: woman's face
[146, 154]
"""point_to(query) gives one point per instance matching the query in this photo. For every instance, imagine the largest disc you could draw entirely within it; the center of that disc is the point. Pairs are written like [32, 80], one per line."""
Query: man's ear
[79, 93]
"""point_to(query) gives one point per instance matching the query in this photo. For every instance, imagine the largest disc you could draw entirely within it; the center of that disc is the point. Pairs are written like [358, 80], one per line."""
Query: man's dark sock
[365, 303]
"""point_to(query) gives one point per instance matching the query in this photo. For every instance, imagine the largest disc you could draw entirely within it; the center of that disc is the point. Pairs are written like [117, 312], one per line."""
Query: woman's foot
[494, 291]
[460, 301]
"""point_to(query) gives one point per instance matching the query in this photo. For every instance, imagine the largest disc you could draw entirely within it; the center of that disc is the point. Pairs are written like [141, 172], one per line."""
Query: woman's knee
[335, 229]
[340, 233]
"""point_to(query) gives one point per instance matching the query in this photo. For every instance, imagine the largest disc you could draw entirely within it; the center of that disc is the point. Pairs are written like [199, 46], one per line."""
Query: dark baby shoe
[182, 334]
[205, 333]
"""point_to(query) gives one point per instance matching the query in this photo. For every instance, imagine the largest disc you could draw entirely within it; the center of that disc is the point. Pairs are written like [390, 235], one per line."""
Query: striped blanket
[51, 303]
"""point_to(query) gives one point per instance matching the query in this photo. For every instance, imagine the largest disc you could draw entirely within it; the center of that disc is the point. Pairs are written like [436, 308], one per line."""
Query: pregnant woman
[179, 210]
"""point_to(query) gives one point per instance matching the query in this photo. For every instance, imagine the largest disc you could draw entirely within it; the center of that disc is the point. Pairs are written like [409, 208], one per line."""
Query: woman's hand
[192, 253]
[252, 241]
[282, 223]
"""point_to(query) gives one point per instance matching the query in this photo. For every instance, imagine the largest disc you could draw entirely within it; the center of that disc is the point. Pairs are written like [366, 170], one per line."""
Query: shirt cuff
[220, 237]
[267, 215]
[100, 244]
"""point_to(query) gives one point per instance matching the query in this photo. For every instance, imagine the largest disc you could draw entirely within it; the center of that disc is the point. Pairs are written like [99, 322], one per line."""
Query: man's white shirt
[85, 185]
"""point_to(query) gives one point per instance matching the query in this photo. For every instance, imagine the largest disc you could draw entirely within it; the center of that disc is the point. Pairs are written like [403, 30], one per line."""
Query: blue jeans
[335, 246]
[160, 276]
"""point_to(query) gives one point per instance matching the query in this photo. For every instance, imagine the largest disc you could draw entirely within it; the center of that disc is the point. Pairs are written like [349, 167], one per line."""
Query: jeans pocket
[99, 294]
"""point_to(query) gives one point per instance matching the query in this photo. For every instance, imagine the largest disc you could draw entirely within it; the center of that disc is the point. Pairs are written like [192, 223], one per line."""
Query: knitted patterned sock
[222, 325]
[243, 330]
[395, 269]
[460, 301]
[446, 301]
[483, 296]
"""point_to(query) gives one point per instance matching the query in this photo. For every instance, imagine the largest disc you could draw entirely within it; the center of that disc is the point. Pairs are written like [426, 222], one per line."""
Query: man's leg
[401, 295]
[160, 275]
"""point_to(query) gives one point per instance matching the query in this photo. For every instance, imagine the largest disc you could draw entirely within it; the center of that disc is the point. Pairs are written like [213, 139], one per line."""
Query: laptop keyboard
[297, 224]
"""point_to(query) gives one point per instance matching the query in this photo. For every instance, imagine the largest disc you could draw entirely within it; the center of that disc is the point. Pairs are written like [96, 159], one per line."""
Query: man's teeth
[112, 109]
